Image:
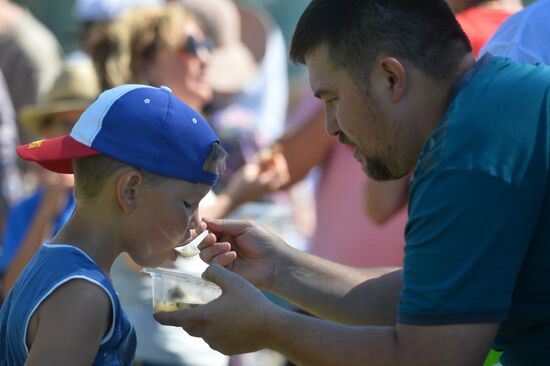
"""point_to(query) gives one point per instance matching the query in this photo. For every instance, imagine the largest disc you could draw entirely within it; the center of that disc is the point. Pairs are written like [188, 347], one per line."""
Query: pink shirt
[343, 233]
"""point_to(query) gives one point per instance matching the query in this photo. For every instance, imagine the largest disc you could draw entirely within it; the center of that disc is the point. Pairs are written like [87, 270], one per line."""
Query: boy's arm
[69, 325]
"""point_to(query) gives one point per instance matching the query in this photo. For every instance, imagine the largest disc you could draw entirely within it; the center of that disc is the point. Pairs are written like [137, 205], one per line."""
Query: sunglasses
[194, 46]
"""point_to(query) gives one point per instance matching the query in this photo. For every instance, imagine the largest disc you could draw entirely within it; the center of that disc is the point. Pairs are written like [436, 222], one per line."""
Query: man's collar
[470, 73]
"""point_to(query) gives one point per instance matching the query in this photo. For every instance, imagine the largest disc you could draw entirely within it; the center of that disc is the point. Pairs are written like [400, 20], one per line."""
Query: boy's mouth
[173, 255]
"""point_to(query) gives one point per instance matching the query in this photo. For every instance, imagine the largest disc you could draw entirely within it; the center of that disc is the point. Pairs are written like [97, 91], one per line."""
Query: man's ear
[396, 77]
[128, 186]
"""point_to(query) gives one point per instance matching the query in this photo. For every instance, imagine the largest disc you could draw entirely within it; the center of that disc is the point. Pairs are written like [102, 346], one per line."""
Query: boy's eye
[187, 205]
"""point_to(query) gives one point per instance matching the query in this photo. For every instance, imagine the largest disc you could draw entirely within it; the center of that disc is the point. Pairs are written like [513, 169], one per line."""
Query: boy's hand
[241, 309]
[245, 248]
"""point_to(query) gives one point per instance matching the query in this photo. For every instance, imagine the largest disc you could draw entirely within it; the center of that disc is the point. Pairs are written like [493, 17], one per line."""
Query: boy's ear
[128, 186]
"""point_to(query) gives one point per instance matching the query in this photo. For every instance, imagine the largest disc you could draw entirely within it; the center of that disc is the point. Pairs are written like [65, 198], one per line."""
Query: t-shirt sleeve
[467, 235]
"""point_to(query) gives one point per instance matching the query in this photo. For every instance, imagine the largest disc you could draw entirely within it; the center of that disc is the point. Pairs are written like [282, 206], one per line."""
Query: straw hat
[232, 65]
[74, 90]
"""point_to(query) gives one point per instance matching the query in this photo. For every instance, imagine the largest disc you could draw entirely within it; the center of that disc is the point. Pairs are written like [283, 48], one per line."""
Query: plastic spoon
[190, 250]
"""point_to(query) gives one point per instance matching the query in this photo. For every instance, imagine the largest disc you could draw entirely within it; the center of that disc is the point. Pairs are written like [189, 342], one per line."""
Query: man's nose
[331, 122]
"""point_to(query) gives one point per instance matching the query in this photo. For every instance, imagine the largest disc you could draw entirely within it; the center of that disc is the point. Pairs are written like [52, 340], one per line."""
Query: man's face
[358, 118]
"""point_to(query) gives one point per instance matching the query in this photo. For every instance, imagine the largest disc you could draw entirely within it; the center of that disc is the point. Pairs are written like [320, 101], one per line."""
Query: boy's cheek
[197, 222]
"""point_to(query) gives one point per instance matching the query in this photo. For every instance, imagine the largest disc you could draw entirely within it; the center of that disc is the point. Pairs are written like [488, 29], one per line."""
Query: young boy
[142, 161]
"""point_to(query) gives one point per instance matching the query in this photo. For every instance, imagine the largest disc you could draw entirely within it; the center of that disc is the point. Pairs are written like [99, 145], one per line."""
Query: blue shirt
[51, 267]
[478, 237]
[20, 218]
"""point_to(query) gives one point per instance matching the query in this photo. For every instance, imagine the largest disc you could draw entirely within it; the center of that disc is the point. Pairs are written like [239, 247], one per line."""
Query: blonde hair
[121, 51]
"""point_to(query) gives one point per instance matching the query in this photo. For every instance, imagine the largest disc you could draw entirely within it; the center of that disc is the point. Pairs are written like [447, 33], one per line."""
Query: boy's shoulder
[78, 296]
[61, 295]
[78, 310]
[53, 267]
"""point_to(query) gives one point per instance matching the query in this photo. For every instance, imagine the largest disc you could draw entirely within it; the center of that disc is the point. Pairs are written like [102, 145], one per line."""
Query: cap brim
[55, 154]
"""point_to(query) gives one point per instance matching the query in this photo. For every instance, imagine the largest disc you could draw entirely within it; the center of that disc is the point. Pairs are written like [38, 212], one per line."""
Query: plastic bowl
[173, 291]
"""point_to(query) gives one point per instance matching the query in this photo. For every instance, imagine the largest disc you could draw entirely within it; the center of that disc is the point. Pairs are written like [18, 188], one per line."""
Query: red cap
[55, 154]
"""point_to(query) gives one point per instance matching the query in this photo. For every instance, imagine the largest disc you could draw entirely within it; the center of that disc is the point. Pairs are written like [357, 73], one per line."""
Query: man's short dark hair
[424, 33]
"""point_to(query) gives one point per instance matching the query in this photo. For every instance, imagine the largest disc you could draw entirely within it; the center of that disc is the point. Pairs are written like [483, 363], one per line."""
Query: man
[479, 19]
[401, 87]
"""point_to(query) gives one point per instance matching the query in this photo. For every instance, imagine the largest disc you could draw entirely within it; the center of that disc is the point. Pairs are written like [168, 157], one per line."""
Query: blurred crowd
[228, 60]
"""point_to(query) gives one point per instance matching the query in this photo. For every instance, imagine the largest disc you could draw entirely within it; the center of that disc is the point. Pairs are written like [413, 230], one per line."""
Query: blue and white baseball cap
[142, 126]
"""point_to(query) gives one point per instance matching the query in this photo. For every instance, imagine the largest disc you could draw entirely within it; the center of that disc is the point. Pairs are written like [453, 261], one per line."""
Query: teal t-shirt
[478, 237]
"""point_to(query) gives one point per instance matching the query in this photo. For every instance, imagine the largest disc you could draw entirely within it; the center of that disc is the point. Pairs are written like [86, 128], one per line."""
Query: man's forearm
[310, 341]
[340, 293]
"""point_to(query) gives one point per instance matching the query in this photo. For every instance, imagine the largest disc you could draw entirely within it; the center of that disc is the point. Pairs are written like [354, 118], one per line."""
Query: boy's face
[163, 211]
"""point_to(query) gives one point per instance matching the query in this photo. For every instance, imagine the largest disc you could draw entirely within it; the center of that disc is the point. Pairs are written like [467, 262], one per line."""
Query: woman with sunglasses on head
[155, 46]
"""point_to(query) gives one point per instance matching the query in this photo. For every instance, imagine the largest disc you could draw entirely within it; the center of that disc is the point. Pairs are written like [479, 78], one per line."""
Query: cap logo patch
[36, 144]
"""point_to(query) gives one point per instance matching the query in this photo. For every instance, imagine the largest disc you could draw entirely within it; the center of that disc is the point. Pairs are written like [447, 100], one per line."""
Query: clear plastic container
[173, 291]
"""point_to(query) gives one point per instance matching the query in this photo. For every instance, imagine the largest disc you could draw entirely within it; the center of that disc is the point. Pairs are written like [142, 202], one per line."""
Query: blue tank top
[52, 266]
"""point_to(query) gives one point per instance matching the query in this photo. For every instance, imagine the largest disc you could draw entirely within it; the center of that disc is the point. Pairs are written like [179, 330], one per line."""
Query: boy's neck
[92, 236]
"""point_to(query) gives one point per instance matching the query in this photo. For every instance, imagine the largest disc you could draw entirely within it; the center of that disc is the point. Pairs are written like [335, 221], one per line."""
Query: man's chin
[378, 171]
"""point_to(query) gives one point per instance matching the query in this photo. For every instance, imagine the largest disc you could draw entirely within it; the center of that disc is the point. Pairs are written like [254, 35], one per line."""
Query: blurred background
[60, 20]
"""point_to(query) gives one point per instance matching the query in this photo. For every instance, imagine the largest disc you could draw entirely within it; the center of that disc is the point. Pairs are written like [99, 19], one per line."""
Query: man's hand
[234, 323]
[247, 249]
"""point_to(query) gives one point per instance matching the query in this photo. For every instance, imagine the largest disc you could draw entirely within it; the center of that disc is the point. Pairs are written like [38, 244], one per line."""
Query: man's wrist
[274, 325]
[283, 271]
